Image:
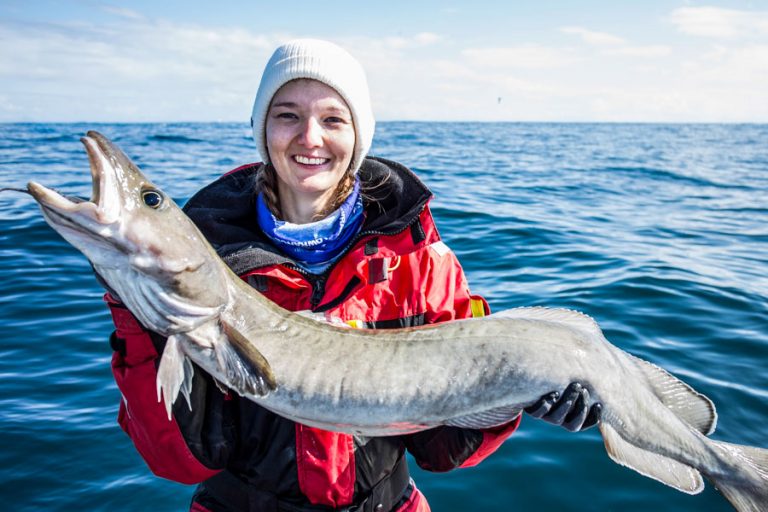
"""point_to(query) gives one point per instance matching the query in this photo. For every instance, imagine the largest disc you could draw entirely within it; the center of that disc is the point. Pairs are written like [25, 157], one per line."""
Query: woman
[320, 227]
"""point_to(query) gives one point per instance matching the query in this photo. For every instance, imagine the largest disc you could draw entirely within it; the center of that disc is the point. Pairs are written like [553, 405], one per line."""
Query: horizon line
[463, 121]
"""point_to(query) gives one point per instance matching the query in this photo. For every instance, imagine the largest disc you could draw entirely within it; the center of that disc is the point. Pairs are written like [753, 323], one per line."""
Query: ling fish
[474, 373]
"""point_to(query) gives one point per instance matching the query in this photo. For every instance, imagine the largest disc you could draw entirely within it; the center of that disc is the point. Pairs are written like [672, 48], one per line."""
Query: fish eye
[152, 198]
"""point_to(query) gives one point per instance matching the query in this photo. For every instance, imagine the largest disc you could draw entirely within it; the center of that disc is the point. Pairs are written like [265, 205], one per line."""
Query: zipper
[318, 290]
[348, 289]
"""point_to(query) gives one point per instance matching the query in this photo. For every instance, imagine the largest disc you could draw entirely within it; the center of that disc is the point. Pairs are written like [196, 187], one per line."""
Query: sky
[481, 60]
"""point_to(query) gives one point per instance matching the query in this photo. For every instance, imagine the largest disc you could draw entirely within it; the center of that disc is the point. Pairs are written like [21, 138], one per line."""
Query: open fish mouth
[118, 216]
[104, 206]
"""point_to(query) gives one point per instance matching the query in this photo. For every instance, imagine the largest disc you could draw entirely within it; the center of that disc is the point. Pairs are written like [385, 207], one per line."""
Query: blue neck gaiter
[316, 245]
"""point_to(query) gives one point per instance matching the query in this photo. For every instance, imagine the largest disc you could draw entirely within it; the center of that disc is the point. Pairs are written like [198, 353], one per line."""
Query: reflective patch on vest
[125, 403]
[478, 307]
[396, 323]
[440, 248]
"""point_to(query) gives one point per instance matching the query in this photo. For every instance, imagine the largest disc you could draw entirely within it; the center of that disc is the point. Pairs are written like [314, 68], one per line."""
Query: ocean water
[660, 232]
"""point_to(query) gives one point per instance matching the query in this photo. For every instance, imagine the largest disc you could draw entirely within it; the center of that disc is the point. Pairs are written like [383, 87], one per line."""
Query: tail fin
[747, 486]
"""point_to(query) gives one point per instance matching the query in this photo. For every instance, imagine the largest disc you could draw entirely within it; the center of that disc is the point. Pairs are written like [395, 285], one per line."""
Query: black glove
[569, 411]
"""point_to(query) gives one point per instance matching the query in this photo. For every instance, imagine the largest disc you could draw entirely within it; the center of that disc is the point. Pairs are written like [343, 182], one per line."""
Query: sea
[657, 231]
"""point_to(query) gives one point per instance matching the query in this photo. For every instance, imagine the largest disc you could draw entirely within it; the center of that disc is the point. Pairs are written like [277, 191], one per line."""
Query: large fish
[470, 373]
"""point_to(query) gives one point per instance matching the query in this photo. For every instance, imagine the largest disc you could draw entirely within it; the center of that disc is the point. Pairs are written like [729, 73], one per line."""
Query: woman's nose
[312, 133]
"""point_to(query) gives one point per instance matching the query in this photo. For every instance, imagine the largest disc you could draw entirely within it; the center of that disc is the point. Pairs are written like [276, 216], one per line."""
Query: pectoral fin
[174, 374]
[486, 419]
[653, 465]
[246, 368]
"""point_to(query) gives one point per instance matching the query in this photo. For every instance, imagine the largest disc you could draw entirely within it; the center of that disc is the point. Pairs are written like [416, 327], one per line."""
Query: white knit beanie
[325, 62]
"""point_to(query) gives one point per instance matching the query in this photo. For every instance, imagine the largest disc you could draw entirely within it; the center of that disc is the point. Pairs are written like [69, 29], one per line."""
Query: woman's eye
[286, 115]
[152, 198]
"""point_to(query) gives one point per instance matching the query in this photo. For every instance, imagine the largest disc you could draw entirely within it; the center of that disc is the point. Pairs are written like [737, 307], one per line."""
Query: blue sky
[648, 61]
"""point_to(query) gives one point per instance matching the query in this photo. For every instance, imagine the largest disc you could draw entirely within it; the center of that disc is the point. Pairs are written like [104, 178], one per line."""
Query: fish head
[132, 232]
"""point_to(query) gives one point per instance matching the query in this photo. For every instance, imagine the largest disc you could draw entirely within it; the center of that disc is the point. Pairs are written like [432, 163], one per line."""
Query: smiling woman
[316, 226]
[310, 140]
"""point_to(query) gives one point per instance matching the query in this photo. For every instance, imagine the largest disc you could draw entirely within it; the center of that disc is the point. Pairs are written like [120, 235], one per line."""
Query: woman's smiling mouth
[306, 160]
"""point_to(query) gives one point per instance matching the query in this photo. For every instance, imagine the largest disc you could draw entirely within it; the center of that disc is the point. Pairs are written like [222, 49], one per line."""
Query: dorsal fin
[688, 404]
[570, 317]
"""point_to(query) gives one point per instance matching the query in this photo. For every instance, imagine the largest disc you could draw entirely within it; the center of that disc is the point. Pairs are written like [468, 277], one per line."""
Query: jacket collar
[393, 198]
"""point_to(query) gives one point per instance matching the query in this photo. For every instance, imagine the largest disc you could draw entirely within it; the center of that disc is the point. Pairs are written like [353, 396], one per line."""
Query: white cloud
[565, 84]
[420, 39]
[139, 69]
[7, 105]
[719, 23]
[746, 65]
[525, 56]
[123, 12]
[427, 38]
[592, 37]
[615, 45]
[647, 52]
[134, 67]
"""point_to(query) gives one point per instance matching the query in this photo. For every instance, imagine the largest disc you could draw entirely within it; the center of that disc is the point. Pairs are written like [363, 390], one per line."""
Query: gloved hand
[569, 411]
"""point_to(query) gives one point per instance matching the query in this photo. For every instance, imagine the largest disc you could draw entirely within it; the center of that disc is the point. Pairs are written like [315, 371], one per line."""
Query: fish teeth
[309, 161]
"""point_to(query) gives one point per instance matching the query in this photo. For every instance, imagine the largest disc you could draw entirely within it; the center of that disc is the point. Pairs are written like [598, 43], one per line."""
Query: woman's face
[311, 140]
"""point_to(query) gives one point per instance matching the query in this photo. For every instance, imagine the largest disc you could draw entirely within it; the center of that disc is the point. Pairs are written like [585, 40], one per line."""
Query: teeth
[309, 161]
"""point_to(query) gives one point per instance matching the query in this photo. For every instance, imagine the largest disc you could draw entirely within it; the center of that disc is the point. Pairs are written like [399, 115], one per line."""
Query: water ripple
[657, 231]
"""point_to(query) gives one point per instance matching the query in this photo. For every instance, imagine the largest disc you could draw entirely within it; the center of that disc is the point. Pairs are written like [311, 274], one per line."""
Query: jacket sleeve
[448, 298]
[172, 449]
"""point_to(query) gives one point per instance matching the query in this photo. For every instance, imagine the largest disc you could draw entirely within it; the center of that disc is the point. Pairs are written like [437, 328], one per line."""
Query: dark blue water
[660, 232]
